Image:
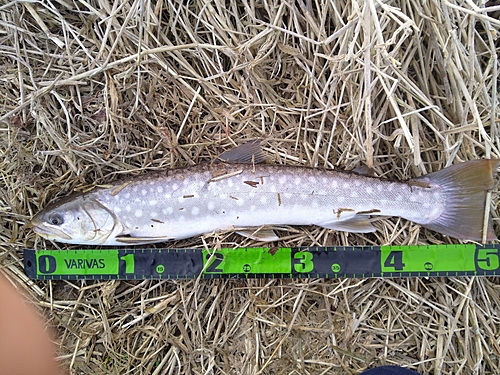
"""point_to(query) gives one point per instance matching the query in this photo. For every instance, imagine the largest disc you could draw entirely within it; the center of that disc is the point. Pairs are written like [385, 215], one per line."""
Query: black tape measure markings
[274, 262]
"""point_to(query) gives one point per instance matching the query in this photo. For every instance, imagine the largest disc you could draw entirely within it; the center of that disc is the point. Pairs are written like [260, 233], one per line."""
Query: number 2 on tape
[214, 266]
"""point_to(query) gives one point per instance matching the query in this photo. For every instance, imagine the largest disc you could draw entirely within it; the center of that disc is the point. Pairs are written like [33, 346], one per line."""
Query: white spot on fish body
[210, 205]
[127, 196]
[297, 180]
[333, 183]
[230, 183]
[159, 189]
[369, 190]
[154, 214]
[117, 210]
[138, 213]
[253, 208]
[168, 196]
[175, 186]
[195, 210]
[380, 187]
[128, 208]
[357, 183]
[282, 179]
[263, 200]
[153, 202]
[340, 199]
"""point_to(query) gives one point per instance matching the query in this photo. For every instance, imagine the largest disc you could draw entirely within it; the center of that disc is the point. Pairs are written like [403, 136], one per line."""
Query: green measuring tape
[274, 262]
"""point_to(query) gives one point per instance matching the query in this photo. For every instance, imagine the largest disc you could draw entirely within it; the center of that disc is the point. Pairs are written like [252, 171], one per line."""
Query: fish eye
[55, 220]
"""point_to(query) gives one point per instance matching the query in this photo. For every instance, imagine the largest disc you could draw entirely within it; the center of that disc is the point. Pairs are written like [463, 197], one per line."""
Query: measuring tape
[260, 262]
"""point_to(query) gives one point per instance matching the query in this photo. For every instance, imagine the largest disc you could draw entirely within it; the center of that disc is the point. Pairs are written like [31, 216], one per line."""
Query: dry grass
[92, 90]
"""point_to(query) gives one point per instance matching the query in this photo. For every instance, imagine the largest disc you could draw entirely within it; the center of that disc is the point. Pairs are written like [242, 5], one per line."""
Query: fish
[241, 193]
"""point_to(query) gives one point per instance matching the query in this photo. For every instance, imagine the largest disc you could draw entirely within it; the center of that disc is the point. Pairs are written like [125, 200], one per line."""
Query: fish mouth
[49, 232]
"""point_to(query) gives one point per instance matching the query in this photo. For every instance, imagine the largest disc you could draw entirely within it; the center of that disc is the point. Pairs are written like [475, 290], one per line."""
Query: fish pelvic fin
[465, 186]
[259, 234]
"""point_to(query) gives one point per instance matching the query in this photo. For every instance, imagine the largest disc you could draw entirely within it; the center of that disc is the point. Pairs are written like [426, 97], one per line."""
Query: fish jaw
[49, 232]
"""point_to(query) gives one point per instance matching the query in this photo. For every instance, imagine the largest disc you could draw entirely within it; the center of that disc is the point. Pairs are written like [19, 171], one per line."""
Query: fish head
[76, 220]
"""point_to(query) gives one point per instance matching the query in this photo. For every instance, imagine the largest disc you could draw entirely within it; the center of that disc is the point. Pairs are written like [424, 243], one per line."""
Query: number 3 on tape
[303, 262]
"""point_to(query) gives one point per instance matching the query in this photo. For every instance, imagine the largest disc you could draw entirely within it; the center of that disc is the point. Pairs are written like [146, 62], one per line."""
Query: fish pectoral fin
[249, 152]
[357, 224]
[259, 234]
[141, 240]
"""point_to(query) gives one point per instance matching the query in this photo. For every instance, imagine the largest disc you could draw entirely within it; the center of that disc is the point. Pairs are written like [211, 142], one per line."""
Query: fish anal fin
[263, 234]
[357, 224]
[130, 240]
[249, 152]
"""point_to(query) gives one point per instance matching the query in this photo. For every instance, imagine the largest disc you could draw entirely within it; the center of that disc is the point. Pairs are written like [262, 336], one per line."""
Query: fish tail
[465, 186]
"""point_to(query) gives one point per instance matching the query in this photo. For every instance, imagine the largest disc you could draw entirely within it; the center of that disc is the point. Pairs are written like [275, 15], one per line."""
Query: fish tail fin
[465, 186]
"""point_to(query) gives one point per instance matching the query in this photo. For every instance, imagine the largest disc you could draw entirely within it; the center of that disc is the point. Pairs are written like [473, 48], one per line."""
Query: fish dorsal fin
[249, 152]
[265, 235]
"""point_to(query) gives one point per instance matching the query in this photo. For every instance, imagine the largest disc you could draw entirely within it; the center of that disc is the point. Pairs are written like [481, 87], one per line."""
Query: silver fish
[246, 195]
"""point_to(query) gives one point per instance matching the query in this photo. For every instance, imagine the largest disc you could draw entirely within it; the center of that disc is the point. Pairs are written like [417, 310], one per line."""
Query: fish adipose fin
[364, 170]
[249, 152]
[265, 235]
[465, 186]
[357, 224]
